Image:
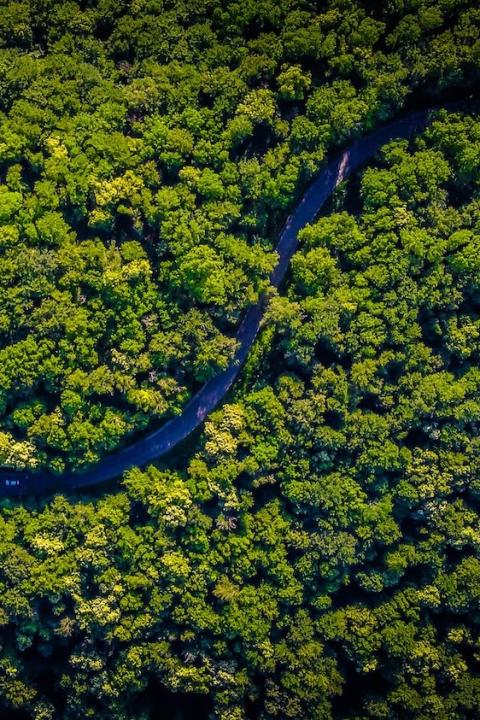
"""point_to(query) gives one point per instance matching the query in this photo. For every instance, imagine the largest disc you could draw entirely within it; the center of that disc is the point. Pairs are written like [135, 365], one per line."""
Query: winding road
[161, 441]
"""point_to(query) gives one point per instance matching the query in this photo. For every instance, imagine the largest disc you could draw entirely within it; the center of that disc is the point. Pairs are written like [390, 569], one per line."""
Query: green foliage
[318, 555]
[315, 553]
[148, 152]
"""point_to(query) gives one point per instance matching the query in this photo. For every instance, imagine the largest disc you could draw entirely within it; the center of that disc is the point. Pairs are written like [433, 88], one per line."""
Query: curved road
[159, 442]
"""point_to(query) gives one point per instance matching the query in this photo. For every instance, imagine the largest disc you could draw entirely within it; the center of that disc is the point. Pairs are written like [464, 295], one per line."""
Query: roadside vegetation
[148, 153]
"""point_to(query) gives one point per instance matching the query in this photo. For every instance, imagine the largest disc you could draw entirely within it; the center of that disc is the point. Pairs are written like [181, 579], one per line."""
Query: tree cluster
[318, 555]
[149, 151]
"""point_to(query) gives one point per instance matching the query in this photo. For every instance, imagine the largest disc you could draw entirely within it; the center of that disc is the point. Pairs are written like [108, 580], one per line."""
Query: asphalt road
[159, 442]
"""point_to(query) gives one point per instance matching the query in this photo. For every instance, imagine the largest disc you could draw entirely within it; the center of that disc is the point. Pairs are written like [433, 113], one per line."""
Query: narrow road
[159, 442]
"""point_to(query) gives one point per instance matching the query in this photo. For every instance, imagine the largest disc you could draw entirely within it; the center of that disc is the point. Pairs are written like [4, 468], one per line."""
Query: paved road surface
[161, 441]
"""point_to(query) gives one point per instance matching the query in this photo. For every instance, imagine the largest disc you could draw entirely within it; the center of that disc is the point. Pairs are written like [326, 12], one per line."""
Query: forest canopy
[148, 153]
[317, 555]
[314, 552]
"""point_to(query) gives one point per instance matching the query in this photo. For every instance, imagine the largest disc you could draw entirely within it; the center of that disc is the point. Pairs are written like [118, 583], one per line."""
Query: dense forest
[314, 552]
[148, 152]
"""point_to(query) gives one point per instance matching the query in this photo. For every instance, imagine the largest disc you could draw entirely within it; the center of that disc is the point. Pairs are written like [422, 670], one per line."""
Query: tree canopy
[314, 551]
[148, 153]
[317, 556]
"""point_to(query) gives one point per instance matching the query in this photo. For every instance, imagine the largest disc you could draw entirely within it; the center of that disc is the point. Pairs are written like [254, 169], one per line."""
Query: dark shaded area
[158, 703]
